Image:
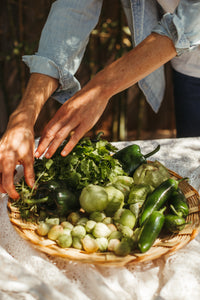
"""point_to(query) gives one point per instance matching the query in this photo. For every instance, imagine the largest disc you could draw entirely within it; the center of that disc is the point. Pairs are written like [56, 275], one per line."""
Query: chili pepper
[150, 230]
[157, 198]
[174, 223]
[131, 157]
[178, 204]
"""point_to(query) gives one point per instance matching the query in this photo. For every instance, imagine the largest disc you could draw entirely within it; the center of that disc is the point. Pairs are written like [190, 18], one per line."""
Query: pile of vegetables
[100, 199]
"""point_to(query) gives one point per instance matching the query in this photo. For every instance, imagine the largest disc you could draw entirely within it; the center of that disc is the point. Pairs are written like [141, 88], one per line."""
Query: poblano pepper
[131, 157]
[174, 223]
[178, 204]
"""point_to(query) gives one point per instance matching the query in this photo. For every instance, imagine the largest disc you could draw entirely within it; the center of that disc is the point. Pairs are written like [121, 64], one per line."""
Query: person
[61, 48]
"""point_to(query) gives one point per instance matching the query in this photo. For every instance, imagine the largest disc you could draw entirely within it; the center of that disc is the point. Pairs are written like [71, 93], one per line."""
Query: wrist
[40, 87]
[101, 84]
[20, 118]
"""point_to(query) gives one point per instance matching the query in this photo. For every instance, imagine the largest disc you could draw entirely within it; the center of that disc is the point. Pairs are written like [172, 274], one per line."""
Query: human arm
[61, 48]
[82, 111]
[17, 144]
[180, 32]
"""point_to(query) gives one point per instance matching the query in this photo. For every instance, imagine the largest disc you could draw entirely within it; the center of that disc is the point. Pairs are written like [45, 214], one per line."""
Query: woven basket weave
[163, 246]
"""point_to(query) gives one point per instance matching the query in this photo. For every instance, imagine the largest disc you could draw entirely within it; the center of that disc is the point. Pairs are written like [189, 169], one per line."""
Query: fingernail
[47, 155]
[63, 153]
[37, 154]
[32, 182]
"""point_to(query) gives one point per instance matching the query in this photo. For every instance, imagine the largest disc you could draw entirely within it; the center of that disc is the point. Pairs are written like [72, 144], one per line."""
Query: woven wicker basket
[163, 246]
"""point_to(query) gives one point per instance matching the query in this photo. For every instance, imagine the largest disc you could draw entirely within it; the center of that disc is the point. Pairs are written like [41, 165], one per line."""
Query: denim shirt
[70, 22]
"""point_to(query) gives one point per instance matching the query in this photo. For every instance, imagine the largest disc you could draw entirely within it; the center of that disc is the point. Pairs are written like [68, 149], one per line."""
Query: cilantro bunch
[89, 162]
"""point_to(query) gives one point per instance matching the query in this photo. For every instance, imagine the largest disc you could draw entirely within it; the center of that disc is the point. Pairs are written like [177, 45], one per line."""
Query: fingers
[7, 177]
[76, 136]
[29, 172]
[78, 114]
[53, 143]
[8, 168]
[54, 134]
[8, 161]
[2, 190]
[58, 137]
[53, 131]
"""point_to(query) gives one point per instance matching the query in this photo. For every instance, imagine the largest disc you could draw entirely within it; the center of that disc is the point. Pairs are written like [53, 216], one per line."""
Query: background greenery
[127, 115]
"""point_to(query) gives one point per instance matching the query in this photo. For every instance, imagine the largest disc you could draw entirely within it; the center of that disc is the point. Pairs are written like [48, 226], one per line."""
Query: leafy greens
[89, 162]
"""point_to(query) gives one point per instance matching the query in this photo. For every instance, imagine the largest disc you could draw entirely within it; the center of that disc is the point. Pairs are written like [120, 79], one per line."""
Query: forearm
[81, 112]
[148, 56]
[40, 87]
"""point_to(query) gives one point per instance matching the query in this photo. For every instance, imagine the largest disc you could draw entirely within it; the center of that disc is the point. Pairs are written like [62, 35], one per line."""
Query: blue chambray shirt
[70, 22]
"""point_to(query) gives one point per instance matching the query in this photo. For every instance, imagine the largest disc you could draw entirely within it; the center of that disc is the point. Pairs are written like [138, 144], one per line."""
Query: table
[29, 274]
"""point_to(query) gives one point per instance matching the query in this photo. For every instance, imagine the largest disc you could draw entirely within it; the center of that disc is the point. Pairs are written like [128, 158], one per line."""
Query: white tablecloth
[29, 274]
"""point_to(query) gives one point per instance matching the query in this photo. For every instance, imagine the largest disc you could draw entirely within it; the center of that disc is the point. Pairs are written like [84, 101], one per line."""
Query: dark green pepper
[59, 199]
[46, 190]
[174, 223]
[41, 196]
[131, 157]
[51, 185]
[66, 201]
[157, 198]
[178, 204]
[150, 230]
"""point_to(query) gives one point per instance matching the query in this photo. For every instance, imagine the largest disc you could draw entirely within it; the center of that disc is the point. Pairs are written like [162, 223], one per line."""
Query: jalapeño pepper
[150, 230]
[157, 198]
[131, 157]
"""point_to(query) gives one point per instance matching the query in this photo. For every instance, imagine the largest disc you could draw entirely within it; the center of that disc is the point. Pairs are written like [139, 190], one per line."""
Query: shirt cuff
[69, 85]
[171, 26]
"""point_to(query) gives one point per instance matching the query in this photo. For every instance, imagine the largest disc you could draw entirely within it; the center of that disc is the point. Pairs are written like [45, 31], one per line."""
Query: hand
[77, 116]
[16, 147]
[81, 112]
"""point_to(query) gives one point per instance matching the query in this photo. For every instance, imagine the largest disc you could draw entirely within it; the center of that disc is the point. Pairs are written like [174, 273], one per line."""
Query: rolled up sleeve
[63, 41]
[182, 26]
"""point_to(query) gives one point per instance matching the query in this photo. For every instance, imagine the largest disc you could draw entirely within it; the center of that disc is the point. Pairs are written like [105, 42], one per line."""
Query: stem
[184, 178]
[152, 152]
[97, 138]
[179, 214]
[162, 210]
[34, 186]
[36, 201]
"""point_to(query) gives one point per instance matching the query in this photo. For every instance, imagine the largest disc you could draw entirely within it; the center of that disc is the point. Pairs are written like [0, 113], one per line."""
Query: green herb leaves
[89, 162]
